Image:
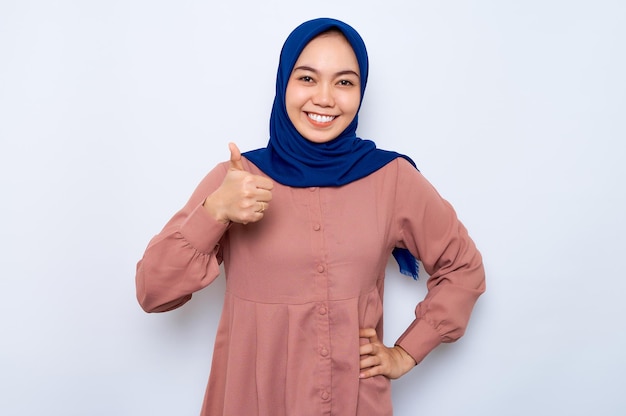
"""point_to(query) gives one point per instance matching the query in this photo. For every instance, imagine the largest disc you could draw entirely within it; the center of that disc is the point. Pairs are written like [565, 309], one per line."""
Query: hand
[242, 197]
[377, 359]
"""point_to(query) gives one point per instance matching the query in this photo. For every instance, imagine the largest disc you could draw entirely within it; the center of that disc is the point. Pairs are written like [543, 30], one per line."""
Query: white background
[112, 111]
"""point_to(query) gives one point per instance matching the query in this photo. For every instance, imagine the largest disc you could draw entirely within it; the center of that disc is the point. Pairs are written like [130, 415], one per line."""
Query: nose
[323, 96]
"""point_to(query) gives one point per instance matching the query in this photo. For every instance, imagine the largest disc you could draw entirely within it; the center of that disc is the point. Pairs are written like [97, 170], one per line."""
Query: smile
[318, 118]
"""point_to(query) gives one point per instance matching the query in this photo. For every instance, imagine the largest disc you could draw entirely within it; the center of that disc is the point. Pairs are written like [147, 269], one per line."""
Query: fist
[242, 197]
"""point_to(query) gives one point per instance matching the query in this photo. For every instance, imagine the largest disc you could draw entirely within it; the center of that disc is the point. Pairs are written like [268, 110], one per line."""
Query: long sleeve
[428, 226]
[185, 256]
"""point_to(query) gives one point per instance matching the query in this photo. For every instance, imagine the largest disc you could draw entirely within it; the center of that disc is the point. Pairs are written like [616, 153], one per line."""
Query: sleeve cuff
[202, 231]
[419, 339]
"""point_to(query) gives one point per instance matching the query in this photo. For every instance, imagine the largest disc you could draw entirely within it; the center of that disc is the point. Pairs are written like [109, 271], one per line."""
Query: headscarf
[292, 160]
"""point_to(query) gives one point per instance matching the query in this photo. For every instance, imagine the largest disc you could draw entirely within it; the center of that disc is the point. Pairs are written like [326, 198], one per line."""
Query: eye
[345, 83]
[306, 78]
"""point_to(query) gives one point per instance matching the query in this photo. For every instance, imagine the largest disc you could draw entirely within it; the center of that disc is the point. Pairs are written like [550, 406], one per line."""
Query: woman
[305, 227]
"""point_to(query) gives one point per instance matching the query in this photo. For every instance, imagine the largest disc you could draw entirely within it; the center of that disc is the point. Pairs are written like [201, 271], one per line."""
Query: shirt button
[325, 395]
[322, 310]
[320, 269]
[313, 188]
[324, 352]
[317, 227]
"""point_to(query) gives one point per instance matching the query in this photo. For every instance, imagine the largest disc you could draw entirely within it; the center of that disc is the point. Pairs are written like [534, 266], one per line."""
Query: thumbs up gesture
[242, 197]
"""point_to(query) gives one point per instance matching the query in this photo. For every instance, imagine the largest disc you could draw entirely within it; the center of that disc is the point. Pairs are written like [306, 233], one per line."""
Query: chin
[318, 138]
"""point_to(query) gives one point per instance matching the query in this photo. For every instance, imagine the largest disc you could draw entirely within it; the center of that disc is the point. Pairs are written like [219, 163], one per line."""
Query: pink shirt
[304, 279]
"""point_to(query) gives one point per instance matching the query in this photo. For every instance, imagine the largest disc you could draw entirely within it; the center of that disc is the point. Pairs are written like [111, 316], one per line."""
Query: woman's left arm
[428, 226]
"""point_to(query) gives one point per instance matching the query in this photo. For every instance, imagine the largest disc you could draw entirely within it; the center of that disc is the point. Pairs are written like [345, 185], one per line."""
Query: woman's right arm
[184, 257]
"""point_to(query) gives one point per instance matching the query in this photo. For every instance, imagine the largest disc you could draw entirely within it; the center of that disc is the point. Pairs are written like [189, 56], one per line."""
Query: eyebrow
[344, 72]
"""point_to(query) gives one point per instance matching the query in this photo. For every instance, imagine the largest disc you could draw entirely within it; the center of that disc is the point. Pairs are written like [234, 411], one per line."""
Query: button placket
[321, 312]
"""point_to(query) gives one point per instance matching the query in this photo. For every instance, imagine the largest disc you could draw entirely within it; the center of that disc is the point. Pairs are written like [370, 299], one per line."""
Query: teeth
[320, 118]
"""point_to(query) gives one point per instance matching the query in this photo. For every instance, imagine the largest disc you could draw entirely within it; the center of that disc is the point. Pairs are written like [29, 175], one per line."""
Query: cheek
[293, 105]
[294, 96]
[350, 103]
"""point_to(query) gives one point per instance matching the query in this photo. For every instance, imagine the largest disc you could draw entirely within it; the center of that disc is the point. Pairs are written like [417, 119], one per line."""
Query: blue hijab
[292, 160]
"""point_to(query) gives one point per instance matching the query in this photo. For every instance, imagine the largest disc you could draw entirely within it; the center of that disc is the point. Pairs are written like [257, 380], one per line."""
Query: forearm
[179, 261]
[444, 314]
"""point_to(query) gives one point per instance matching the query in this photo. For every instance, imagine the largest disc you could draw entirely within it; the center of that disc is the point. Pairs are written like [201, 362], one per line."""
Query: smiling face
[323, 92]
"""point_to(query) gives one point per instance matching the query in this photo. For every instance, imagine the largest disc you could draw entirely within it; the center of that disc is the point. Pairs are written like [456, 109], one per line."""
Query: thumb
[369, 333]
[235, 157]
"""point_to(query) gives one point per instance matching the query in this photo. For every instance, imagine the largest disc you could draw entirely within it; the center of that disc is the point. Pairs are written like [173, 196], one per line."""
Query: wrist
[408, 362]
[211, 206]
